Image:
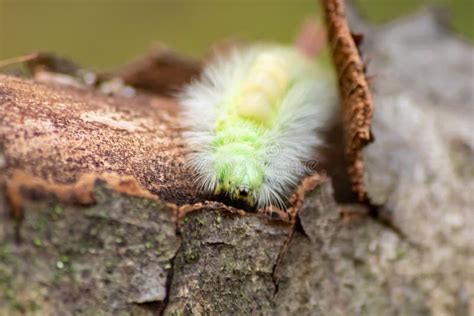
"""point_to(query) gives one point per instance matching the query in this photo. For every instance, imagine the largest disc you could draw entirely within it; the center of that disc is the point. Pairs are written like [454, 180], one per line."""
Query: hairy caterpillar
[252, 120]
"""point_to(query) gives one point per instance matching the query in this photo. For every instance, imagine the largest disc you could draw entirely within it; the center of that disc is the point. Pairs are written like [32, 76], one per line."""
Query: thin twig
[18, 59]
[356, 96]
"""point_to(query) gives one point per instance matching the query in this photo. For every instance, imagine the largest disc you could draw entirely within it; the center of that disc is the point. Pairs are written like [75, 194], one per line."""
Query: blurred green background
[106, 33]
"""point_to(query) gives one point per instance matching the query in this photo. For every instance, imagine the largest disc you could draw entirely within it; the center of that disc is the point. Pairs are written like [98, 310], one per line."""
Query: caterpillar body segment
[252, 122]
[263, 88]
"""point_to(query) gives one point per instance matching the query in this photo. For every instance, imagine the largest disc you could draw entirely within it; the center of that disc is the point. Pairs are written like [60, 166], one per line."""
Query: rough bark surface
[59, 133]
[113, 257]
[109, 229]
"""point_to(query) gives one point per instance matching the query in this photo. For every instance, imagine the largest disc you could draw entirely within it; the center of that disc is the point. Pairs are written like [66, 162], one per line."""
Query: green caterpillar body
[252, 121]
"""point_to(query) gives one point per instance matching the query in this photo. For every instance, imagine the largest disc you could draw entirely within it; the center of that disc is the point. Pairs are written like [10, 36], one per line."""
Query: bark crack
[280, 256]
[169, 279]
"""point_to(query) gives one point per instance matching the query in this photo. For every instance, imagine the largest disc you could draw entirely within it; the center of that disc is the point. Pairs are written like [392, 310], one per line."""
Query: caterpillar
[253, 121]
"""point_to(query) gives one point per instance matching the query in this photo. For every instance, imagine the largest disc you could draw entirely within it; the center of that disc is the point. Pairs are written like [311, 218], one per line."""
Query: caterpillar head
[239, 173]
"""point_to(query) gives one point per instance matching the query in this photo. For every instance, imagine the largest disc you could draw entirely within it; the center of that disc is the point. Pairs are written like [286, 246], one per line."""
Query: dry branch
[161, 71]
[356, 96]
